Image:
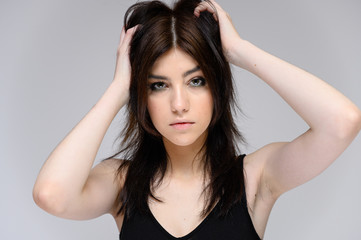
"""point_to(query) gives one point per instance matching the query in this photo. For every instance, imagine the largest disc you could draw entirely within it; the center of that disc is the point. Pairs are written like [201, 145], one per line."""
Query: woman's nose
[179, 100]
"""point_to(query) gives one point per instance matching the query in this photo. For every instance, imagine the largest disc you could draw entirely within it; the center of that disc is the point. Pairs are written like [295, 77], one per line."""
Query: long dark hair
[160, 29]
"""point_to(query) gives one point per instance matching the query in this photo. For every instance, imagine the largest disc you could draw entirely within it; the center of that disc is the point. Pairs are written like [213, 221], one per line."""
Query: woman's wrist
[237, 55]
[251, 58]
[120, 91]
[113, 99]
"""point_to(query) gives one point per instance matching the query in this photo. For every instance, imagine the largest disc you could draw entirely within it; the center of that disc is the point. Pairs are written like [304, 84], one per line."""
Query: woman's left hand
[229, 36]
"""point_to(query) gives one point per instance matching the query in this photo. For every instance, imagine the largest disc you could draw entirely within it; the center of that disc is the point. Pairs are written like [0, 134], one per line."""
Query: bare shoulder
[259, 156]
[110, 166]
[260, 199]
[107, 169]
[107, 172]
[254, 166]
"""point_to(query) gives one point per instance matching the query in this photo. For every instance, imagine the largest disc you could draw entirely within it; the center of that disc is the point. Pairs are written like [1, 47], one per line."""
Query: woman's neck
[185, 161]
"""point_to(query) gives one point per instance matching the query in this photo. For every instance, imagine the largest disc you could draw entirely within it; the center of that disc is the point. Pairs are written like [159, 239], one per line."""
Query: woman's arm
[333, 119]
[66, 185]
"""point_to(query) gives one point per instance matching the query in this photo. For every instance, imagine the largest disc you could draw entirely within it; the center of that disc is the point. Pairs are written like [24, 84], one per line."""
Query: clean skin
[180, 105]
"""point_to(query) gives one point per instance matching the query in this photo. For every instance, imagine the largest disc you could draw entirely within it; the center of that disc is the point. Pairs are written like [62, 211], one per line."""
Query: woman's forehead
[173, 60]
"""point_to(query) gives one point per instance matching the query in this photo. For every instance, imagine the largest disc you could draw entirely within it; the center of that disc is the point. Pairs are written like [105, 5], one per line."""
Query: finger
[126, 33]
[128, 36]
[204, 6]
[215, 4]
[122, 34]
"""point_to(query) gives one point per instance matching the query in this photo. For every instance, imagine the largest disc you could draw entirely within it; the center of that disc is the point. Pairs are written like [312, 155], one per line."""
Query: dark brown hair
[160, 29]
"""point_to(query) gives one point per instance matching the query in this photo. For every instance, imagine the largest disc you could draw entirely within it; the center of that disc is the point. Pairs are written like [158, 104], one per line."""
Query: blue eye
[157, 86]
[197, 82]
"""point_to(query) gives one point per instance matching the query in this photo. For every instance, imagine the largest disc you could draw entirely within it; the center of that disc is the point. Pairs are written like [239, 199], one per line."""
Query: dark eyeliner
[155, 86]
[201, 79]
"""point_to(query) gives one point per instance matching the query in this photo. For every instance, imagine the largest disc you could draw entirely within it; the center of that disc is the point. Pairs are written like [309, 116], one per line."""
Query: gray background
[57, 58]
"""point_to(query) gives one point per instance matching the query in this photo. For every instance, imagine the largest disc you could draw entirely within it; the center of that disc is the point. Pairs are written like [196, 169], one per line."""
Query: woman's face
[180, 102]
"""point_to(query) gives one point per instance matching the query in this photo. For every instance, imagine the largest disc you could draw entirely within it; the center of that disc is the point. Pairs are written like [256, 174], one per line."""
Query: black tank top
[236, 225]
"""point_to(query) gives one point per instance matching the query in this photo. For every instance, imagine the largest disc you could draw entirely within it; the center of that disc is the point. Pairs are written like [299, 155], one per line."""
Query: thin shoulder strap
[241, 158]
[241, 163]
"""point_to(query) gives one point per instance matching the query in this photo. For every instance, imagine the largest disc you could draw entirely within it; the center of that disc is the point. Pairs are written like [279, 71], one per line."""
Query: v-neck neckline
[188, 235]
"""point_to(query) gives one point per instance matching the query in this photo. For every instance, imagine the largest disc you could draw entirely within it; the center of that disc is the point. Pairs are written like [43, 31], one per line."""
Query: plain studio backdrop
[57, 58]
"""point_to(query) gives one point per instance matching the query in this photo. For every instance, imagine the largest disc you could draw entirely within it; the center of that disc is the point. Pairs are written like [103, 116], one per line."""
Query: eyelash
[201, 79]
[156, 85]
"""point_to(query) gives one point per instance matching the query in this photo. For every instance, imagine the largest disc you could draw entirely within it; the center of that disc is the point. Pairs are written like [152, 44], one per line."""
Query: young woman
[182, 176]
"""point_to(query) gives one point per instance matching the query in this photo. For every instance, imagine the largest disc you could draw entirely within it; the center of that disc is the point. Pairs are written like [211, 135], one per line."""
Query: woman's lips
[182, 125]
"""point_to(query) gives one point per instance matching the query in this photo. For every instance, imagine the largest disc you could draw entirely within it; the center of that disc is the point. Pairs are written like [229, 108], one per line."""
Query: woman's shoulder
[112, 163]
[254, 167]
[259, 199]
[115, 168]
[255, 163]
[259, 156]
[109, 175]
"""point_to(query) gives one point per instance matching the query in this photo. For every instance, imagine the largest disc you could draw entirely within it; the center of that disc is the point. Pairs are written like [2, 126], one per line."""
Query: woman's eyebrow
[157, 77]
[195, 69]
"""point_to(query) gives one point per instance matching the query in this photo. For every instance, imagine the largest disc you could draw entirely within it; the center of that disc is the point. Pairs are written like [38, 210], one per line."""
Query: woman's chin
[186, 141]
[179, 142]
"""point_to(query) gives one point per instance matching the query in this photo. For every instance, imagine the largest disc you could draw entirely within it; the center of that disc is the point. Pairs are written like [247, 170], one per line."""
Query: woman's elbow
[49, 198]
[350, 124]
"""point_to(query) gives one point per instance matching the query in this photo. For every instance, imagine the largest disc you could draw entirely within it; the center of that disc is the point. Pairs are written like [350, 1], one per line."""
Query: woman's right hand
[123, 69]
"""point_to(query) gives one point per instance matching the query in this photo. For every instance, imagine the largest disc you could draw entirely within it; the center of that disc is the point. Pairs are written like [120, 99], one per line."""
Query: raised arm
[67, 186]
[333, 119]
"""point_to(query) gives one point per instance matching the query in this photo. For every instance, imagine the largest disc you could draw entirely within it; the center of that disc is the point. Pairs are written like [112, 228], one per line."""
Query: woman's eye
[196, 82]
[157, 86]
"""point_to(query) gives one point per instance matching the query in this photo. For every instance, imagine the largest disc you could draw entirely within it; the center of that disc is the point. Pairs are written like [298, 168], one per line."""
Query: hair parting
[162, 28]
